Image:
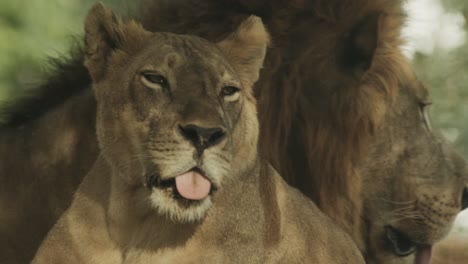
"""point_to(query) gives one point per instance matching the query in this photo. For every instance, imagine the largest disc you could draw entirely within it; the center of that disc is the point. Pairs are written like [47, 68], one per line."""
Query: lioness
[179, 179]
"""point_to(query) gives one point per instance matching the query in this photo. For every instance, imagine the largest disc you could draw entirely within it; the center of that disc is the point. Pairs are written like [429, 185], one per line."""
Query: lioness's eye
[423, 108]
[154, 81]
[230, 93]
[229, 90]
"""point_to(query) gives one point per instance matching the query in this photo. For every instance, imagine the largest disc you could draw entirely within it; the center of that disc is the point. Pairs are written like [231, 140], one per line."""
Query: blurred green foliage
[31, 31]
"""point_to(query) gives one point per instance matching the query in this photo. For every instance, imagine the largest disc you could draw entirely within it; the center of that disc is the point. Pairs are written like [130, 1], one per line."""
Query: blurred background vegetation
[33, 30]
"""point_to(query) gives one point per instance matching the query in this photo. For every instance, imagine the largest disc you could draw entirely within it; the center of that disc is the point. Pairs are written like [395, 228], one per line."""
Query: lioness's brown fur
[302, 31]
[255, 217]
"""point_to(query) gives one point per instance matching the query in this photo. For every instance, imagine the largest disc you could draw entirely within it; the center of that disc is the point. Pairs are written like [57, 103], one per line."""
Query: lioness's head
[175, 113]
[414, 182]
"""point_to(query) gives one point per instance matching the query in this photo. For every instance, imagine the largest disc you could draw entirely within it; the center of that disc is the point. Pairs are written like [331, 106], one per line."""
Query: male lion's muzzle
[402, 246]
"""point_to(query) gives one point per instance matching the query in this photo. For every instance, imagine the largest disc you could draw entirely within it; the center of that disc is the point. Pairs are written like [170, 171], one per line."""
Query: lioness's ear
[105, 32]
[245, 49]
[360, 44]
[102, 34]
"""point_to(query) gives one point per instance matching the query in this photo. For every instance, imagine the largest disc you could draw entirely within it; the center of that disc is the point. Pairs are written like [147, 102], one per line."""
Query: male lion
[329, 95]
[179, 179]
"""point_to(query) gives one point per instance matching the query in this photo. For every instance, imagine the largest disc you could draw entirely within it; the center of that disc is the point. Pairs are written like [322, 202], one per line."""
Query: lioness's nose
[465, 199]
[202, 137]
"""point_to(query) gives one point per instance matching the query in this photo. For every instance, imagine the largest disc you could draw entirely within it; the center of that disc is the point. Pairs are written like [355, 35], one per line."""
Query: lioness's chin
[177, 208]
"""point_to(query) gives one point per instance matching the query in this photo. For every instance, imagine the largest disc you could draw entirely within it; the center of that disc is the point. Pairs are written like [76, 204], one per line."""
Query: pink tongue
[193, 186]
[423, 255]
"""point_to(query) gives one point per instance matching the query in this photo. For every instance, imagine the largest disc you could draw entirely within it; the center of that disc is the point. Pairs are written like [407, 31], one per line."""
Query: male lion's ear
[245, 49]
[360, 45]
[103, 33]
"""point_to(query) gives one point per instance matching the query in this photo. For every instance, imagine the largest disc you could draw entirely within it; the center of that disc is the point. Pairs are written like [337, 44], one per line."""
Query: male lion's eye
[423, 108]
[154, 81]
[229, 90]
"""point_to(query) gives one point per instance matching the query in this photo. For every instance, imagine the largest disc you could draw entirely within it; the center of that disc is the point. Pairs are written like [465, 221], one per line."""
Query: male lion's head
[175, 113]
[414, 182]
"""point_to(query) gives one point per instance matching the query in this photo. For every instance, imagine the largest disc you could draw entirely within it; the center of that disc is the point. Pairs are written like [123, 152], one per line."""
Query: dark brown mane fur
[317, 142]
[67, 77]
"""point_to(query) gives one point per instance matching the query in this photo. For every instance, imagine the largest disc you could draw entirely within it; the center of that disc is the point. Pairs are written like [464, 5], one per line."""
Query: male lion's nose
[202, 137]
[465, 199]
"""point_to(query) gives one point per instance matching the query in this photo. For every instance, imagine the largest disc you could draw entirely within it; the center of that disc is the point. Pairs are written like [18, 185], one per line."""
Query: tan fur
[253, 216]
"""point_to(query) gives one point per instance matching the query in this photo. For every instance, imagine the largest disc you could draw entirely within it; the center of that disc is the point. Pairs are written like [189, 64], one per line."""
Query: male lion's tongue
[193, 186]
[423, 255]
